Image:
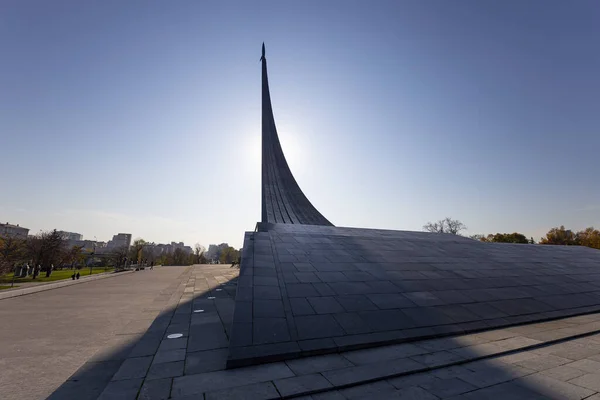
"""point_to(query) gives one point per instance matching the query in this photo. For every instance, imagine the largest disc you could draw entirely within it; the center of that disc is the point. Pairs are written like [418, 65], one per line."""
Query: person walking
[77, 276]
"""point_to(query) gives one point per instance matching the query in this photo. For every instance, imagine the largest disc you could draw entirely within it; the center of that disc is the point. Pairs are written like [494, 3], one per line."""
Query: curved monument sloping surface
[306, 290]
[282, 199]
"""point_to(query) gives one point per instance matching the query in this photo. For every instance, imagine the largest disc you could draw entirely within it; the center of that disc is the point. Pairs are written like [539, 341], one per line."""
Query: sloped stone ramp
[306, 290]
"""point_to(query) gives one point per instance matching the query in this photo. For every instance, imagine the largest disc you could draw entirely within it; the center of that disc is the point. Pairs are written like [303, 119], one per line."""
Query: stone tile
[158, 389]
[267, 292]
[427, 316]
[484, 310]
[448, 387]
[307, 277]
[265, 280]
[121, 390]
[270, 330]
[437, 359]
[415, 393]
[300, 306]
[423, 299]
[171, 344]
[381, 370]
[590, 366]
[207, 337]
[301, 384]
[352, 323]
[169, 356]
[165, 370]
[356, 303]
[378, 354]
[507, 390]
[412, 380]
[544, 362]
[386, 320]
[310, 365]
[196, 384]
[256, 391]
[317, 326]
[241, 335]
[553, 388]
[375, 390]
[490, 375]
[452, 296]
[268, 309]
[133, 368]
[325, 305]
[563, 373]
[590, 381]
[323, 289]
[387, 301]
[329, 395]
[301, 290]
[205, 361]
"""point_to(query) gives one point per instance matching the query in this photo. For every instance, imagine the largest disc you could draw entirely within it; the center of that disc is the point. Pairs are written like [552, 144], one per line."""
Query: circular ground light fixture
[175, 336]
[211, 297]
[218, 290]
[197, 311]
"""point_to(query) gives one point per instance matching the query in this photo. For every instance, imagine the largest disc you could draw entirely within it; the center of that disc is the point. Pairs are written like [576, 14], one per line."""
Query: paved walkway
[47, 336]
[557, 359]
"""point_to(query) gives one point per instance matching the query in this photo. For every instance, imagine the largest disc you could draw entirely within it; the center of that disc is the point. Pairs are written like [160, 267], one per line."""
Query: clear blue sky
[144, 116]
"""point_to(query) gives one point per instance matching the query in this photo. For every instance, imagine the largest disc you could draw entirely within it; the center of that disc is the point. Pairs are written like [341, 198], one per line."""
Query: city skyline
[122, 118]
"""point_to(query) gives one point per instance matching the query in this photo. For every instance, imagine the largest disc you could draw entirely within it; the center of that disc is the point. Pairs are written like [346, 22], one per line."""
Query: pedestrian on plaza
[77, 276]
[152, 265]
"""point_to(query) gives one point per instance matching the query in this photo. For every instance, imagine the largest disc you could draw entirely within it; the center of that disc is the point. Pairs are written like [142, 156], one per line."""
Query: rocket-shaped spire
[282, 199]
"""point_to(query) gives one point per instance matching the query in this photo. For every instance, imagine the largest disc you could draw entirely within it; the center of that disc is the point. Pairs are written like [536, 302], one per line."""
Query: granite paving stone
[158, 389]
[121, 390]
[165, 370]
[270, 330]
[256, 391]
[207, 382]
[443, 388]
[301, 384]
[133, 368]
[317, 326]
[553, 388]
[325, 305]
[309, 365]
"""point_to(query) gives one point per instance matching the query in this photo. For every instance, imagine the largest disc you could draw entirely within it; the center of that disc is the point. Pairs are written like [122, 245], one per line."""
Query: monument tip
[263, 52]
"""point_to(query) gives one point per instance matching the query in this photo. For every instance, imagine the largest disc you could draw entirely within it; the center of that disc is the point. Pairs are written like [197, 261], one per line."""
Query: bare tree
[199, 253]
[446, 225]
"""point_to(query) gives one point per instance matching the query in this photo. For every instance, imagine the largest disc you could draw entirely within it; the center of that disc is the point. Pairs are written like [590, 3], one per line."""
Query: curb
[42, 288]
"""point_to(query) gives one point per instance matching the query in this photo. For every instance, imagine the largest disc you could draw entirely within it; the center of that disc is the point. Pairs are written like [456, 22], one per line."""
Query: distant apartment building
[119, 240]
[71, 236]
[13, 230]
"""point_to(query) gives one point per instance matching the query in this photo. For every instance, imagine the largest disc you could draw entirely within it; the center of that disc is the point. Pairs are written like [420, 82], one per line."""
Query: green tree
[507, 238]
[560, 236]
[229, 255]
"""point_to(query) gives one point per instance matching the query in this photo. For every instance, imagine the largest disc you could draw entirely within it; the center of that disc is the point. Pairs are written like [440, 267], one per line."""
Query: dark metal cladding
[282, 199]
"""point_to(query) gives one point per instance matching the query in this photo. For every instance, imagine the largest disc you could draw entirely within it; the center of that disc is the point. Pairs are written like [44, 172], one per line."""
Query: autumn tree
[589, 237]
[560, 236]
[446, 225]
